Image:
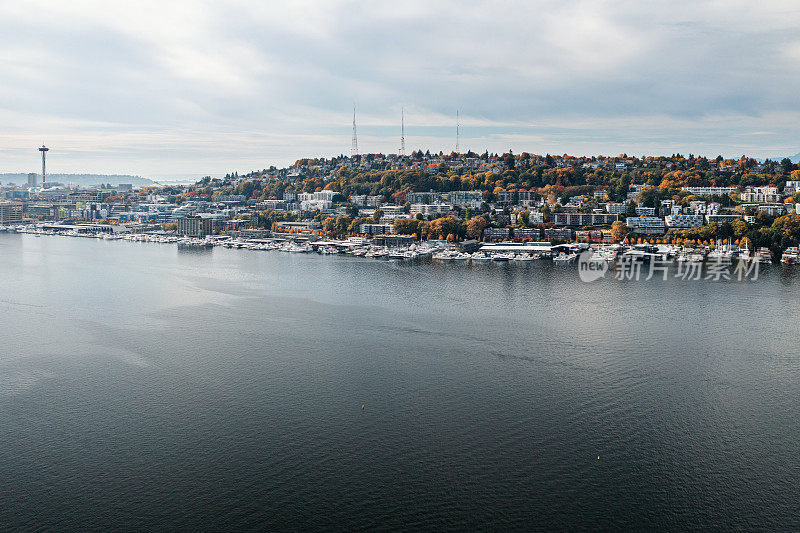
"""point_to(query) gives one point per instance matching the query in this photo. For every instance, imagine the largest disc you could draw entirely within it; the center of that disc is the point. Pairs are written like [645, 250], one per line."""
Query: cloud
[160, 88]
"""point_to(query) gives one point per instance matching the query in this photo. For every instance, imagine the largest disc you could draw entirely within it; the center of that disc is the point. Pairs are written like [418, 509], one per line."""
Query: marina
[502, 252]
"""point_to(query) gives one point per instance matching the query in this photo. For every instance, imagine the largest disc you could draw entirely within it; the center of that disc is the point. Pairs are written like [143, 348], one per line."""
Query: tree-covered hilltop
[549, 176]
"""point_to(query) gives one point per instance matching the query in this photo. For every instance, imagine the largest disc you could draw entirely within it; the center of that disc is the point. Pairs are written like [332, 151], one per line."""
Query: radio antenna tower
[402, 131]
[458, 132]
[354, 147]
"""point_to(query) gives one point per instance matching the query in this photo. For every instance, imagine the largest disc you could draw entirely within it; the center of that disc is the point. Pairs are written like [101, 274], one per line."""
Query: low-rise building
[527, 233]
[558, 234]
[430, 210]
[646, 225]
[722, 217]
[710, 191]
[760, 195]
[616, 208]
[774, 210]
[583, 219]
[684, 221]
[494, 234]
[375, 229]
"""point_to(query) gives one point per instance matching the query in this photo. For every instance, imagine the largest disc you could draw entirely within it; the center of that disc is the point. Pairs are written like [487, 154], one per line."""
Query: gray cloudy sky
[172, 88]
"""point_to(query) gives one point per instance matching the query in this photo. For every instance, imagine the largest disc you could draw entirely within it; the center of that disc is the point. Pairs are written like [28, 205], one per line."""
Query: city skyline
[181, 91]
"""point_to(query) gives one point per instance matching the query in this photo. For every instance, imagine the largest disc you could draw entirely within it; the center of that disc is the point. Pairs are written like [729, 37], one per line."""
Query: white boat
[764, 255]
[451, 255]
[564, 259]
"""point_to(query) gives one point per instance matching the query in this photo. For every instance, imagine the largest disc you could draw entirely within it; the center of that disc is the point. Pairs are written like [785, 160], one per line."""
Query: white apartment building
[684, 221]
[710, 191]
[647, 225]
[760, 195]
[431, 209]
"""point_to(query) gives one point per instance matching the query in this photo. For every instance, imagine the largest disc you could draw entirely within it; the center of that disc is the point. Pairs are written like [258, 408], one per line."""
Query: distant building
[194, 226]
[125, 187]
[33, 179]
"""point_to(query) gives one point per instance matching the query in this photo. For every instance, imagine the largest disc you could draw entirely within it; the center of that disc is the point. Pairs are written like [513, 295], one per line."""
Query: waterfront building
[194, 226]
[393, 240]
[527, 233]
[306, 227]
[557, 234]
[10, 213]
[594, 236]
[493, 234]
[646, 225]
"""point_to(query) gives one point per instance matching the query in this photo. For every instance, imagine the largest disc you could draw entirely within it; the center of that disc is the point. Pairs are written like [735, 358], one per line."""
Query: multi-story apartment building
[583, 219]
[10, 213]
[194, 226]
[646, 225]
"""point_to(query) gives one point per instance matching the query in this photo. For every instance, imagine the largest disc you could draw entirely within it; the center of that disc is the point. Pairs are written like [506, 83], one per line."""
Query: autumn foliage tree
[475, 227]
[618, 230]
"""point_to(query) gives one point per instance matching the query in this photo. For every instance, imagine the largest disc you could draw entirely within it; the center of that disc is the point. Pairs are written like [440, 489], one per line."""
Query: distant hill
[85, 180]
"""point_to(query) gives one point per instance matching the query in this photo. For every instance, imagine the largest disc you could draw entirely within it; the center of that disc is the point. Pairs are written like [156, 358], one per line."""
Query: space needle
[44, 150]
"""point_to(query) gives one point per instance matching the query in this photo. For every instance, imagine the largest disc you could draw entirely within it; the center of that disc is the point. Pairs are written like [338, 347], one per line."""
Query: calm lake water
[146, 386]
